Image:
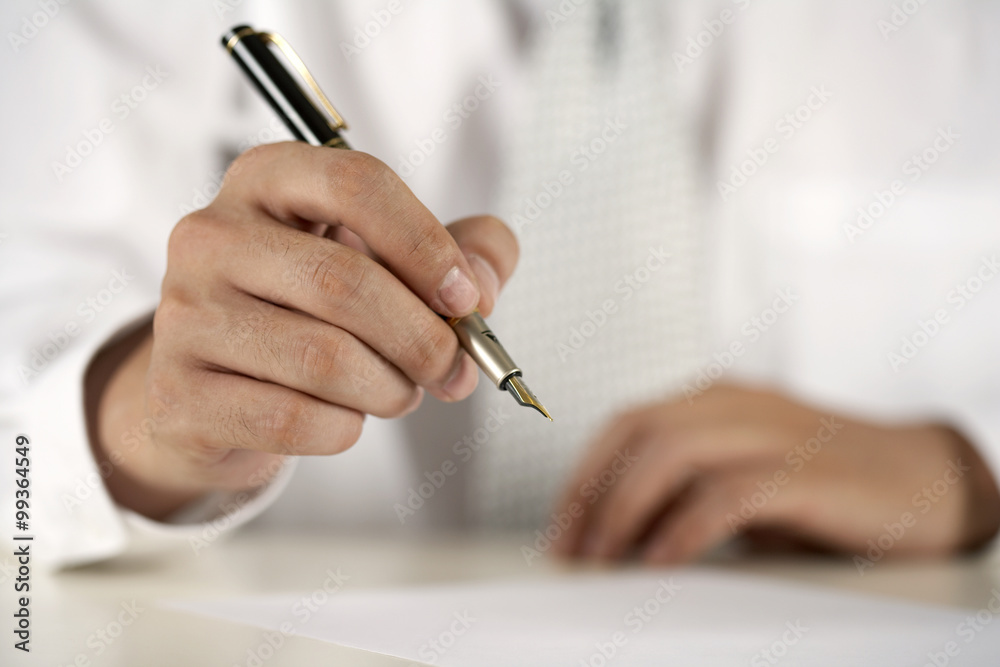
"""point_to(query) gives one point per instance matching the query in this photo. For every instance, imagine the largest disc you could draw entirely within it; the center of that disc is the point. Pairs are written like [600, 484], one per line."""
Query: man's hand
[673, 480]
[307, 295]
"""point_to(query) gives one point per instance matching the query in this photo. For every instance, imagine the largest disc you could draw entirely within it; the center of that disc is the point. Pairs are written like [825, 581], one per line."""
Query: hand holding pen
[317, 121]
[278, 330]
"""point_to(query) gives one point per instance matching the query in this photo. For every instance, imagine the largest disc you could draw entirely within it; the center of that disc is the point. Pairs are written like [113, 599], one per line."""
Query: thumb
[492, 252]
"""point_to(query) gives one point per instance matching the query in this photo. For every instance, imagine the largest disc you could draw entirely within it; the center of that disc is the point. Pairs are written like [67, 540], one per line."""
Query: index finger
[293, 182]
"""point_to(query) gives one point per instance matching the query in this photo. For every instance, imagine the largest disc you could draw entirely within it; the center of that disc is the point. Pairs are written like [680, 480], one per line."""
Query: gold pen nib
[519, 390]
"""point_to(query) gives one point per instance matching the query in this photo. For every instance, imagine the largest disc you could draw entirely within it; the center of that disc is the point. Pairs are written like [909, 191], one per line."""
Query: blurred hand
[673, 480]
[306, 296]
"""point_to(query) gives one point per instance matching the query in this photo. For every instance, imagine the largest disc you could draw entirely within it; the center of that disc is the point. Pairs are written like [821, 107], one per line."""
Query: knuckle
[170, 316]
[232, 426]
[270, 241]
[240, 165]
[161, 391]
[429, 353]
[245, 161]
[195, 236]
[357, 177]
[188, 236]
[257, 337]
[286, 426]
[427, 246]
[318, 357]
[339, 274]
[372, 370]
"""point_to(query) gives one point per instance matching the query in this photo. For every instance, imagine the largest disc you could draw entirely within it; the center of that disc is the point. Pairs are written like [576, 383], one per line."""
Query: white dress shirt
[849, 163]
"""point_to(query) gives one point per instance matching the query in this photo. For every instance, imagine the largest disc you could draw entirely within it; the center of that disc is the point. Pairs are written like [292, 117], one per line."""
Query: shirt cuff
[75, 521]
[205, 521]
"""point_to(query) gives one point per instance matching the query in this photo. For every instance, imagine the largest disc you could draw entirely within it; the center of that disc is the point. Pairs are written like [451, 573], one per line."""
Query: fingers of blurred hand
[710, 514]
[330, 281]
[620, 517]
[674, 447]
[292, 182]
[577, 491]
[272, 344]
[492, 251]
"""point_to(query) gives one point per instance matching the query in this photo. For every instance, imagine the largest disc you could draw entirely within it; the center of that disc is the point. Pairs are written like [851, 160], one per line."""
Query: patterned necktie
[605, 308]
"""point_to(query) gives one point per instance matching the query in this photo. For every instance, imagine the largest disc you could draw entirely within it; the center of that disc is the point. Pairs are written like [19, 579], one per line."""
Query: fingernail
[458, 293]
[463, 379]
[489, 281]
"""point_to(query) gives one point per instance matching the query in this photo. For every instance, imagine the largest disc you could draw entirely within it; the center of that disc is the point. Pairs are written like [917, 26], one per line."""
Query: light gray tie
[598, 186]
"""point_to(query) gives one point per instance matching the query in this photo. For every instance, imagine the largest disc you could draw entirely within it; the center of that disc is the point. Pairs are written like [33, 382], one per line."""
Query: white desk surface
[70, 607]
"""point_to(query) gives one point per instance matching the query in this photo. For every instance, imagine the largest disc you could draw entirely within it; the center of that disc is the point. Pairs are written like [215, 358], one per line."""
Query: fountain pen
[317, 122]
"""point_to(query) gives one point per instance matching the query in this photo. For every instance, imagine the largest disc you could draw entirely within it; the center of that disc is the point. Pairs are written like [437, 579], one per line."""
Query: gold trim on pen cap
[337, 121]
[231, 44]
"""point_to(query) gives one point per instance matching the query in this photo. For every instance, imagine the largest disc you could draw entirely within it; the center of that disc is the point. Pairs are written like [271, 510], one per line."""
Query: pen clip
[336, 120]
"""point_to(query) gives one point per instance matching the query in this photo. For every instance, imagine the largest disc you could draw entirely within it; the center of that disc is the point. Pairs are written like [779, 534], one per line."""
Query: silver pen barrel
[485, 349]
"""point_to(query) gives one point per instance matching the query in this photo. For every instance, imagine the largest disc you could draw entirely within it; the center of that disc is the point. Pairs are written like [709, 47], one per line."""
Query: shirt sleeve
[108, 142]
[73, 518]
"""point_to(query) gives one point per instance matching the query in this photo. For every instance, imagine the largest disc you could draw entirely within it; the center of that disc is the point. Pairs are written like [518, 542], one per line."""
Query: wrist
[135, 473]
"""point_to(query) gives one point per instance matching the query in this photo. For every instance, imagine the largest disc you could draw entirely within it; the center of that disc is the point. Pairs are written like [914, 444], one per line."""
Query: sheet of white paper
[683, 617]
